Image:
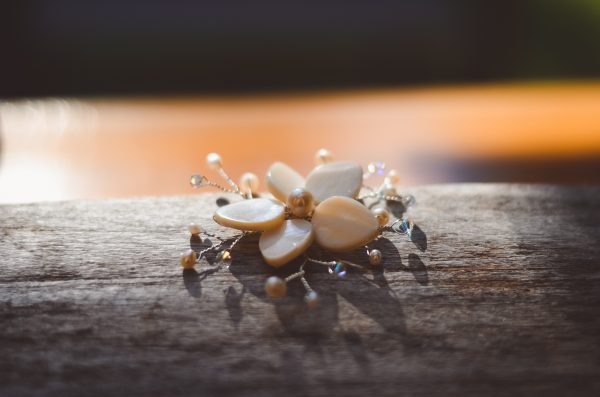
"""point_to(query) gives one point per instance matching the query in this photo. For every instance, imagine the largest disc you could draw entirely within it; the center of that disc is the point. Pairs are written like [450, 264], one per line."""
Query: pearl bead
[194, 228]
[383, 217]
[389, 190]
[392, 177]
[323, 156]
[312, 299]
[375, 257]
[249, 182]
[275, 287]
[188, 259]
[300, 202]
[213, 160]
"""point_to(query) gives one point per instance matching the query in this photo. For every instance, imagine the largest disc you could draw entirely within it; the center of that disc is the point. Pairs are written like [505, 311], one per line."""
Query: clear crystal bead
[339, 269]
[376, 167]
[224, 258]
[408, 200]
[196, 181]
[405, 227]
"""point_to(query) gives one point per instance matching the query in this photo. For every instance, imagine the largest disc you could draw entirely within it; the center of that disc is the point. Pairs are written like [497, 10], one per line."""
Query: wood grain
[498, 294]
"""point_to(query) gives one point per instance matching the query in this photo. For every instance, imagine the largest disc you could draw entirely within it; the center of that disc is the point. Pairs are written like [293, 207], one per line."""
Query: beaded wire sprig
[328, 207]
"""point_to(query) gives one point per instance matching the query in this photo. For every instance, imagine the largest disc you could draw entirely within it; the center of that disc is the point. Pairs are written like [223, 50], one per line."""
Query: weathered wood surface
[498, 295]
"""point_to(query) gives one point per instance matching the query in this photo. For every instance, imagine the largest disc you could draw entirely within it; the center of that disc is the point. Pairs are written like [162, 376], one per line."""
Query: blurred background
[124, 98]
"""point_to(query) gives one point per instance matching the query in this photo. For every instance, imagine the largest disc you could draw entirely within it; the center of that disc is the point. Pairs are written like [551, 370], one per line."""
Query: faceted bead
[339, 269]
[408, 200]
[275, 287]
[405, 227]
[251, 215]
[282, 179]
[343, 224]
[196, 181]
[281, 245]
[376, 167]
[188, 259]
[342, 178]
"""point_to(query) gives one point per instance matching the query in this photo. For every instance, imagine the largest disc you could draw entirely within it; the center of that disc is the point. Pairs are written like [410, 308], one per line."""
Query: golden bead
[392, 177]
[300, 202]
[383, 217]
[223, 256]
[323, 156]
[375, 257]
[194, 229]
[275, 287]
[249, 182]
[213, 160]
[188, 259]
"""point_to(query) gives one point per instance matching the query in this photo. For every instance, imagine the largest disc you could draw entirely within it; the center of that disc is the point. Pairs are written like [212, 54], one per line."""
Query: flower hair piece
[327, 207]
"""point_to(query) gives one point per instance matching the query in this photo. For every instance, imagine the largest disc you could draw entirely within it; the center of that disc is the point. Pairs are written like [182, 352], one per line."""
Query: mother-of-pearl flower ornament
[326, 208]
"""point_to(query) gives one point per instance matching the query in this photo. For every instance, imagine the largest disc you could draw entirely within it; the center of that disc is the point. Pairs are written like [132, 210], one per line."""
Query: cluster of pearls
[300, 202]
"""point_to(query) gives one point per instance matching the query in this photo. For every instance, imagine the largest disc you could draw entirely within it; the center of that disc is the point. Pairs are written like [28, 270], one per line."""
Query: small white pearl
[194, 228]
[188, 259]
[392, 177]
[323, 156]
[213, 160]
[275, 287]
[300, 202]
[312, 299]
[389, 190]
[383, 217]
[375, 257]
[249, 182]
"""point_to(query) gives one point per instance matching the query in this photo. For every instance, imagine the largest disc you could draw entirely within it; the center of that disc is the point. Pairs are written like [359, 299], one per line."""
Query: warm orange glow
[101, 148]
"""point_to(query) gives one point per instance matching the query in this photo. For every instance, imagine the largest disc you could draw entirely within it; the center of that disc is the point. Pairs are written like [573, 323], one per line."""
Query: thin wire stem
[294, 276]
[230, 181]
[306, 285]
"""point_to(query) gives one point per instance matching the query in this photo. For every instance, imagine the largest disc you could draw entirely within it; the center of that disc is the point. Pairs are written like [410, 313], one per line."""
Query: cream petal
[282, 179]
[281, 245]
[252, 215]
[343, 224]
[341, 178]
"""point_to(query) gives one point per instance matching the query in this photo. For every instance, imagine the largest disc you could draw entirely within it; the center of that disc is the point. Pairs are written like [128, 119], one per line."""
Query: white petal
[282, 179]
[252, 215]
[343, 224]
[290, 239]
[342, 178]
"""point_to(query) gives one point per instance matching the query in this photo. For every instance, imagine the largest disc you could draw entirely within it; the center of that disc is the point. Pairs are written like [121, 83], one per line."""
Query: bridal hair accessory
[332, 206]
